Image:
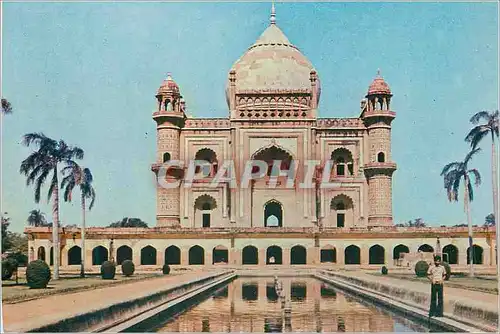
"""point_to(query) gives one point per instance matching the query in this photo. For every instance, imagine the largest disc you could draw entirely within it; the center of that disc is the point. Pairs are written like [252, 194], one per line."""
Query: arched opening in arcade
[172, 255]
[250, 255]
[425, 248]
[342, 210]
[51, 256]
[74, 255]
[220, 254]
[196, 255]
[41, 253]
[342, 163]
[298, 255]
[398, 250]
[274, 255]
[148, 256]
[477, 254]
[328, 254]
[203, 206]
[376, 255]
[450, 254]
[123, 253]
[273, 214]
[352, 255]
[271, 154]
[208, 155]
[99, 255]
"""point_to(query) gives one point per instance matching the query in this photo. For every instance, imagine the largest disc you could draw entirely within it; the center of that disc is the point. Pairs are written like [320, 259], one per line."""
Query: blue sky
[88, 73]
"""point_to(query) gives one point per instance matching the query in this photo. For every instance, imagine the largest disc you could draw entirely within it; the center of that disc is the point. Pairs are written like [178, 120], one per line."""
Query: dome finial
[273, 14]
[169, 76]
[378, 72]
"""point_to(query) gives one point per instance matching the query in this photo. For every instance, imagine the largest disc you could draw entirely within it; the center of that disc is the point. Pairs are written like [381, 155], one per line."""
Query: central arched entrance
[274, 255]
[273, 214]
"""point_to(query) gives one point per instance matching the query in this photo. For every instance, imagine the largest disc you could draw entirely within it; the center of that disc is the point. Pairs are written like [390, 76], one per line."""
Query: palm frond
[92, 198]
[477, 176]
[68, 184]
[482, 115]
[477, 134]
[451, 165]
[6, 106]
[39, 183]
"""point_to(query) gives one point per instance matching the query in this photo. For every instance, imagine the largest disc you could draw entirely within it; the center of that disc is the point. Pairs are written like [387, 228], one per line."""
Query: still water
[252, 305]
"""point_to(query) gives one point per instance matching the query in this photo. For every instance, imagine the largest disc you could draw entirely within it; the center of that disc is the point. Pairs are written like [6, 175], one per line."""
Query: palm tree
[454, 174]
[489, 126]
[74, 175]
[37, 219]
[37, 167]
[6, 107]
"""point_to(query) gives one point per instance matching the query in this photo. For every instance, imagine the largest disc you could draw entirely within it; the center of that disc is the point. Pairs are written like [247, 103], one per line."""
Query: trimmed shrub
[448, 270]
[166, 269]
[421, 268]
[385, 271]
[108, 270]
[128, 268]
[38, 274]
[9, 265]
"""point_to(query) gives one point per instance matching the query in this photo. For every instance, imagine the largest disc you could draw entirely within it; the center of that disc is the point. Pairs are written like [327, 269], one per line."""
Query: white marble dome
[273, 63]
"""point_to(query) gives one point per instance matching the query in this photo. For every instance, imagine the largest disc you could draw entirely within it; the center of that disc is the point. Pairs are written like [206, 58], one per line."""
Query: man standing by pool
[436, 274]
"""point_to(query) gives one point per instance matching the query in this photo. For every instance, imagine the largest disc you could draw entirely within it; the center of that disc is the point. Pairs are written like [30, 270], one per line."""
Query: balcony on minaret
[385, 167]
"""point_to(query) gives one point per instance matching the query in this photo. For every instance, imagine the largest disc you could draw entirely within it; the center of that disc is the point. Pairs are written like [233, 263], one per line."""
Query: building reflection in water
[249, 291]
[298, 291]
[250, 305]
[271, 293]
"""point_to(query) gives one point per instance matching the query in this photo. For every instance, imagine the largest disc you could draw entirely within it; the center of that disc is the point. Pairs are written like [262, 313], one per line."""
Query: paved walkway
[488, 299]
[24, 316]
[467, 301]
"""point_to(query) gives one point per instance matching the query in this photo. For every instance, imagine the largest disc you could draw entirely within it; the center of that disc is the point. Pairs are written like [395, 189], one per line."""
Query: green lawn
[487, 284]
[12, 293]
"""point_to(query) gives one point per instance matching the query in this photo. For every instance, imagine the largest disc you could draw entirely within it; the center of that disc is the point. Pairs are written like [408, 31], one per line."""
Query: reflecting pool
[253, 305]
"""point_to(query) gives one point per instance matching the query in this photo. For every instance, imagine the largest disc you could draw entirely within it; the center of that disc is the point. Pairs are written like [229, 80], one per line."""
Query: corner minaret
[379, 168]
[169, 117]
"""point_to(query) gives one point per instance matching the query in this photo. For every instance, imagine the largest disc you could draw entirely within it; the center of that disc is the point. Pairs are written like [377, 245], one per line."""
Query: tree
[129, 222]
[454, 174]
[417, 222]
[74, 175]
[477, 134]
[37, 218]
[38, 166]
[6, 107]
[487, 123]
[489, 220]
[6, 242]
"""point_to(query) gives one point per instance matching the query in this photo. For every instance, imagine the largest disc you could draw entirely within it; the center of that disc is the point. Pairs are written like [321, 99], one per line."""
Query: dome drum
[274, 106]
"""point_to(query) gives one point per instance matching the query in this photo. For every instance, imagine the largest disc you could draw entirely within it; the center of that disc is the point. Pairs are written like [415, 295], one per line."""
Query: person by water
[436, 274]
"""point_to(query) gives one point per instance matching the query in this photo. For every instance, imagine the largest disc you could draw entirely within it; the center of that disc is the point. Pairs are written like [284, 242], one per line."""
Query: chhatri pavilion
[273, 93]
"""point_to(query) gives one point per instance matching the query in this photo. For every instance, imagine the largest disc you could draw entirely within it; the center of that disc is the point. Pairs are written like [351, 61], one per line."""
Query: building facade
[273, 93]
